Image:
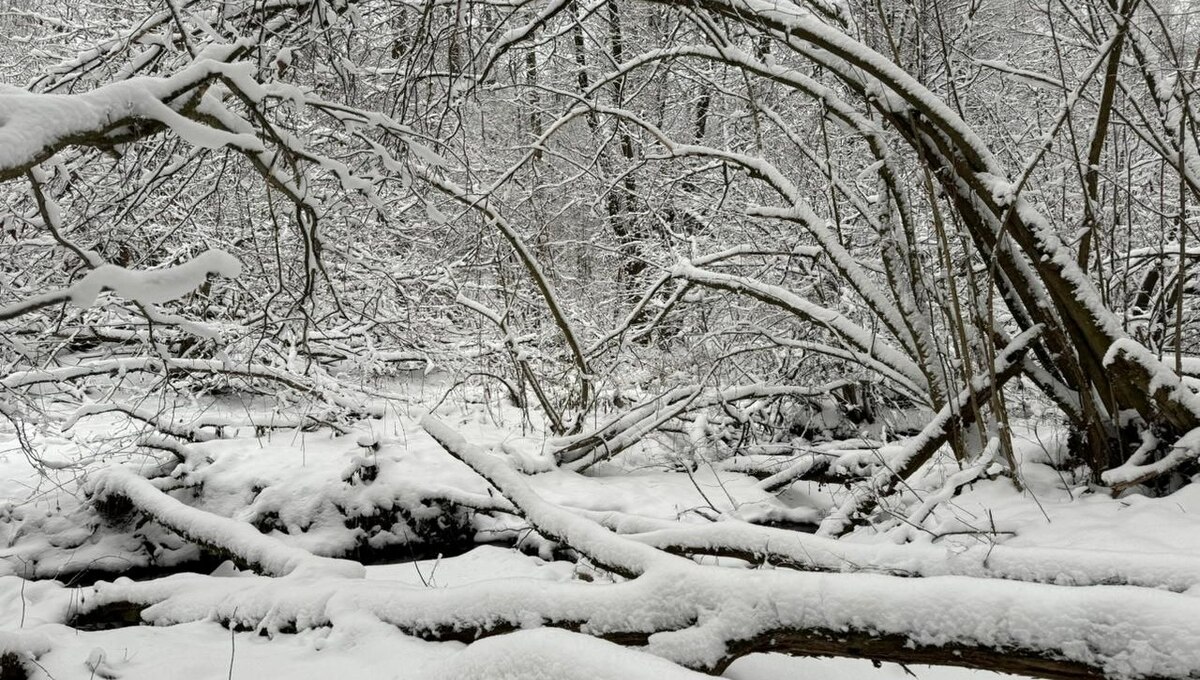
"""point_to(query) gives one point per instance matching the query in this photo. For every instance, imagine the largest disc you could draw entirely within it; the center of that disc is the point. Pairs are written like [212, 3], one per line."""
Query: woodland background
[854, 259]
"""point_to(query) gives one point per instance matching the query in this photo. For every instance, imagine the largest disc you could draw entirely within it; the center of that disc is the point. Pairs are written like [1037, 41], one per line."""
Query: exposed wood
[899, 649]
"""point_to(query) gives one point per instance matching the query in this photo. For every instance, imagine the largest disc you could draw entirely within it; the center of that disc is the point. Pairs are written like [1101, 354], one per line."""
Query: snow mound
[554, 654]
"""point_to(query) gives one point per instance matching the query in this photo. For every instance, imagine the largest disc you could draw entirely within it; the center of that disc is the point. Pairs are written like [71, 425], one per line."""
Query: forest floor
[302, 485]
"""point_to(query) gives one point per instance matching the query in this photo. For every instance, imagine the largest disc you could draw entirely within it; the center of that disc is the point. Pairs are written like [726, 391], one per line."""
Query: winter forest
[762, 339]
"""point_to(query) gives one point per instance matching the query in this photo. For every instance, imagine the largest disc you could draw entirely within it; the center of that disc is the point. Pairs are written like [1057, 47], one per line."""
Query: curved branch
[846, 330]
[557, 312]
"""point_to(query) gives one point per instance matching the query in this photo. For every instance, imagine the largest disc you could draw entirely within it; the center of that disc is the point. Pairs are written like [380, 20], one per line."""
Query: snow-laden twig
[151, 417]
[860, 338]
[808, 463]
[125, 365]
[952, 485]
[146, 287]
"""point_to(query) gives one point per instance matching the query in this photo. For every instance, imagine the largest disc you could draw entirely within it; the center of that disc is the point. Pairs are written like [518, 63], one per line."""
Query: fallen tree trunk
[239, 540]
[703, 616]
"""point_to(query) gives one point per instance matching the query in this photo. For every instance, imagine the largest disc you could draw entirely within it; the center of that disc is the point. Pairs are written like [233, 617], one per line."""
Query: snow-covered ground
[300, 486]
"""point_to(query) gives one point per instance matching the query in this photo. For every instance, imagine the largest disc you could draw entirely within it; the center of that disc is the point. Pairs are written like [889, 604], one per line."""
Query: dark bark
[900, 649]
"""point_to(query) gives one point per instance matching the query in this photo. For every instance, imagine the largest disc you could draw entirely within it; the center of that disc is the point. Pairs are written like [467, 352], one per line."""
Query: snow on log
[578, 452]
[574, 447]
[704, 617]
[1163, 384]
[263, 553]
[808, 552]
[556, 654]
[620, 555]
[1133, 472]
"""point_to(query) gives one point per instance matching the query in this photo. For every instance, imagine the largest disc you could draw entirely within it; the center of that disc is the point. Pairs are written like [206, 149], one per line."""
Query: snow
[354, 525]
[1127, 631]
[553, 654]
[867, 342]
[31, 125]
[288, 481]
[585, 536]
[264, 552]
[780, 667]
[206, 650]
[485, 563]
[145, 287]
[490, 585]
